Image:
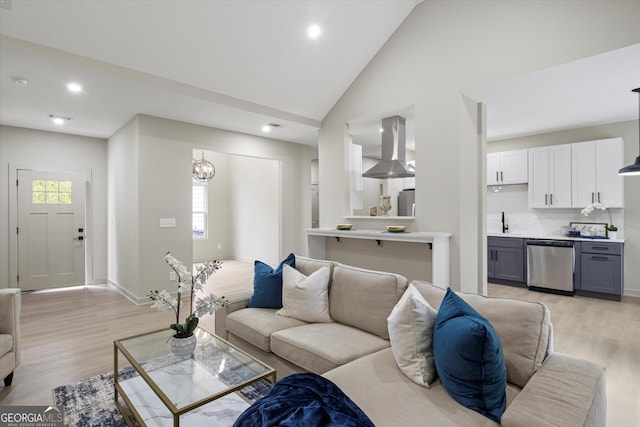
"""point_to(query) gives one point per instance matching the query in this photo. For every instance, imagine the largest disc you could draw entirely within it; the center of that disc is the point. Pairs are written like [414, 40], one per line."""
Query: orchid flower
[189, 283]
[603, 207]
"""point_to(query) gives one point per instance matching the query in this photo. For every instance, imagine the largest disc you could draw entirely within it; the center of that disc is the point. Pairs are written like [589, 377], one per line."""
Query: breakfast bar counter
[316, 238]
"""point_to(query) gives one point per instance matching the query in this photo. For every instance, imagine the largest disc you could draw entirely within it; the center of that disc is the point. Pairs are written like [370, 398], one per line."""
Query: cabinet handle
[550, 199]
[599, 248]
[546, 199]
[497, 180]
[598, 197]
[592, 197]
[501, 178]
[496, 255]
[600, 258]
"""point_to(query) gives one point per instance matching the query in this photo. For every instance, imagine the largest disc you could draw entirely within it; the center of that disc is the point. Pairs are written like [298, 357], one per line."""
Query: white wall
[440, 50]
[33, 149]
[255, 201]
[164, 184]
[629, 218]
[123, 209]
[165, 150]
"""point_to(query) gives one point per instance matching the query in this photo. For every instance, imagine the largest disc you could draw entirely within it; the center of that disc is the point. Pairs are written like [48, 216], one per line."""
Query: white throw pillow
[411, 334]
[305, 298]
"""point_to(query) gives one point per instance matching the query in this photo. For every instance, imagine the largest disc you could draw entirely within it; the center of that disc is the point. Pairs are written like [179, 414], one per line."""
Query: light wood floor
[68, 336]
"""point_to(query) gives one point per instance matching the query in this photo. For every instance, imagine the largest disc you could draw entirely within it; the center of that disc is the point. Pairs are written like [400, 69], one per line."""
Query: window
[199, 222]
[51, 192]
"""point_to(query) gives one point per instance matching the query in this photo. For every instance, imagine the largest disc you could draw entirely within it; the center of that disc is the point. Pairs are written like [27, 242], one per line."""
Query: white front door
[51, 229]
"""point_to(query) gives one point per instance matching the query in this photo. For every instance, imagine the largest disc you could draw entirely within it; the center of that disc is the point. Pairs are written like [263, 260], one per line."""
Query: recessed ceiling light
[314, 31]
[269, 126]
[20, 81]
[74, 87]
[59, 120]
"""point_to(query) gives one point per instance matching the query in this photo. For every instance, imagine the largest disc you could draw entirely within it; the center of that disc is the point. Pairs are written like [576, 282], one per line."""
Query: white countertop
[553, 237]
[407, 236]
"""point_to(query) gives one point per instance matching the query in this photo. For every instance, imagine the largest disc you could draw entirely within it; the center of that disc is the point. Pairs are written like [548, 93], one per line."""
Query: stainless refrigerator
[406, 201]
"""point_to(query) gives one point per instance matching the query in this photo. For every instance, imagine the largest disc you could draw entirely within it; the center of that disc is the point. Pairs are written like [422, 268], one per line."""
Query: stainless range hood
[394, 152]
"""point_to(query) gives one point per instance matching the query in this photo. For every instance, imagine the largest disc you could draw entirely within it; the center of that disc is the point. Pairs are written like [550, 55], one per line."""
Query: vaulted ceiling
[242, 64]
[235, 65]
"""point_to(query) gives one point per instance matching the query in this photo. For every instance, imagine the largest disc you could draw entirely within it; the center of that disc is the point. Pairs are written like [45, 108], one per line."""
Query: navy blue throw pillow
[469, 359]
[267, 284]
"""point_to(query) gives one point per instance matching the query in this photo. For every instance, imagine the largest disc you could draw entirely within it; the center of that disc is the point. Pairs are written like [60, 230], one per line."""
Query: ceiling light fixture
[58, 119]
[20, 81]
[314, 31]
[74, 87]
[634, 169]
[203, 170]
[267, 128]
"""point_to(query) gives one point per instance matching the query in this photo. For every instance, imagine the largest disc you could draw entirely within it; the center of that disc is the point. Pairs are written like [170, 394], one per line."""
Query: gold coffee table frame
[155, 343]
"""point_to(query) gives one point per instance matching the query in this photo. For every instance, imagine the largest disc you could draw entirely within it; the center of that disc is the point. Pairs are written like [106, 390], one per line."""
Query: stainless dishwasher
[550, 265]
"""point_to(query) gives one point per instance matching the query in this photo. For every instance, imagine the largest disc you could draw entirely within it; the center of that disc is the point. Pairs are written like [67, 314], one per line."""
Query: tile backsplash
[513, 200]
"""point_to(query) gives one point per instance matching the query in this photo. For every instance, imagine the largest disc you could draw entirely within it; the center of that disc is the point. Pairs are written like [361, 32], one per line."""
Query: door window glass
[51, 192]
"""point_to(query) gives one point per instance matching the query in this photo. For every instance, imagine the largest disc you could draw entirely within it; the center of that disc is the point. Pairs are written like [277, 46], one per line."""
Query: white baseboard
[631, 293]
[128, 295]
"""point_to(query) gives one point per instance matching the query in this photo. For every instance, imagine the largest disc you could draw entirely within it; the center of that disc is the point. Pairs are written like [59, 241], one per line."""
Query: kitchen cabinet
[506, 260]
[594, 171]
[599, 269]
[550, 177]
[507, 167]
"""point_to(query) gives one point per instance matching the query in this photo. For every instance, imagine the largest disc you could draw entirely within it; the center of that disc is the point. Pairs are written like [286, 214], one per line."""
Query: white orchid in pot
[612, 229]
[188, 283]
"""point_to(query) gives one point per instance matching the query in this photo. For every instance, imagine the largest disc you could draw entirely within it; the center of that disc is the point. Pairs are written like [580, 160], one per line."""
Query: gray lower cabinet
[506, 259]
[599, 269]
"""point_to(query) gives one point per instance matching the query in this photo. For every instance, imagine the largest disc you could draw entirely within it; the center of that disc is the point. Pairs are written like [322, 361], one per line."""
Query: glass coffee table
[205, 388]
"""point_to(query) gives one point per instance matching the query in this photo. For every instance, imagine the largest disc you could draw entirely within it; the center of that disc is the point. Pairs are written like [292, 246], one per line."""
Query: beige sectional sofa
[359, 303]
[544, 388]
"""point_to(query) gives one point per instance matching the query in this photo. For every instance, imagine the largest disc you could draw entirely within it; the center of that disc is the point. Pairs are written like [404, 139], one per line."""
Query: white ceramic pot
[183, 347]
[613, 234]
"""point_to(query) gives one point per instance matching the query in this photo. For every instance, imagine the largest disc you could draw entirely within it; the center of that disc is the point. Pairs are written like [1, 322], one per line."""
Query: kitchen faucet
[505, 227]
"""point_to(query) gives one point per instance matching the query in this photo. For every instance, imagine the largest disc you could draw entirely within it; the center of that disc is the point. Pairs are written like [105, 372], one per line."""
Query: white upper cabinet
[595, 166]
[550, 177]
[508, 167]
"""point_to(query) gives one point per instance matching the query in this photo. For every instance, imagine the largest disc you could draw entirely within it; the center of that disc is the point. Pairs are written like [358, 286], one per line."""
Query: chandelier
[203, 170]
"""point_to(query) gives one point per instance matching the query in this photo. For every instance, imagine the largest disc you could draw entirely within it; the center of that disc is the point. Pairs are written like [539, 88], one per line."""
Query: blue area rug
[89, 403]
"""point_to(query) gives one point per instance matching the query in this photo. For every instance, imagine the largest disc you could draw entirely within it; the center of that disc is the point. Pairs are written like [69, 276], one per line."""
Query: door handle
[79, 238]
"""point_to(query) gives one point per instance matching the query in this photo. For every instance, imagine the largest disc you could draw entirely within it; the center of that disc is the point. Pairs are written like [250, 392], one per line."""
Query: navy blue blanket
[304, 400]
